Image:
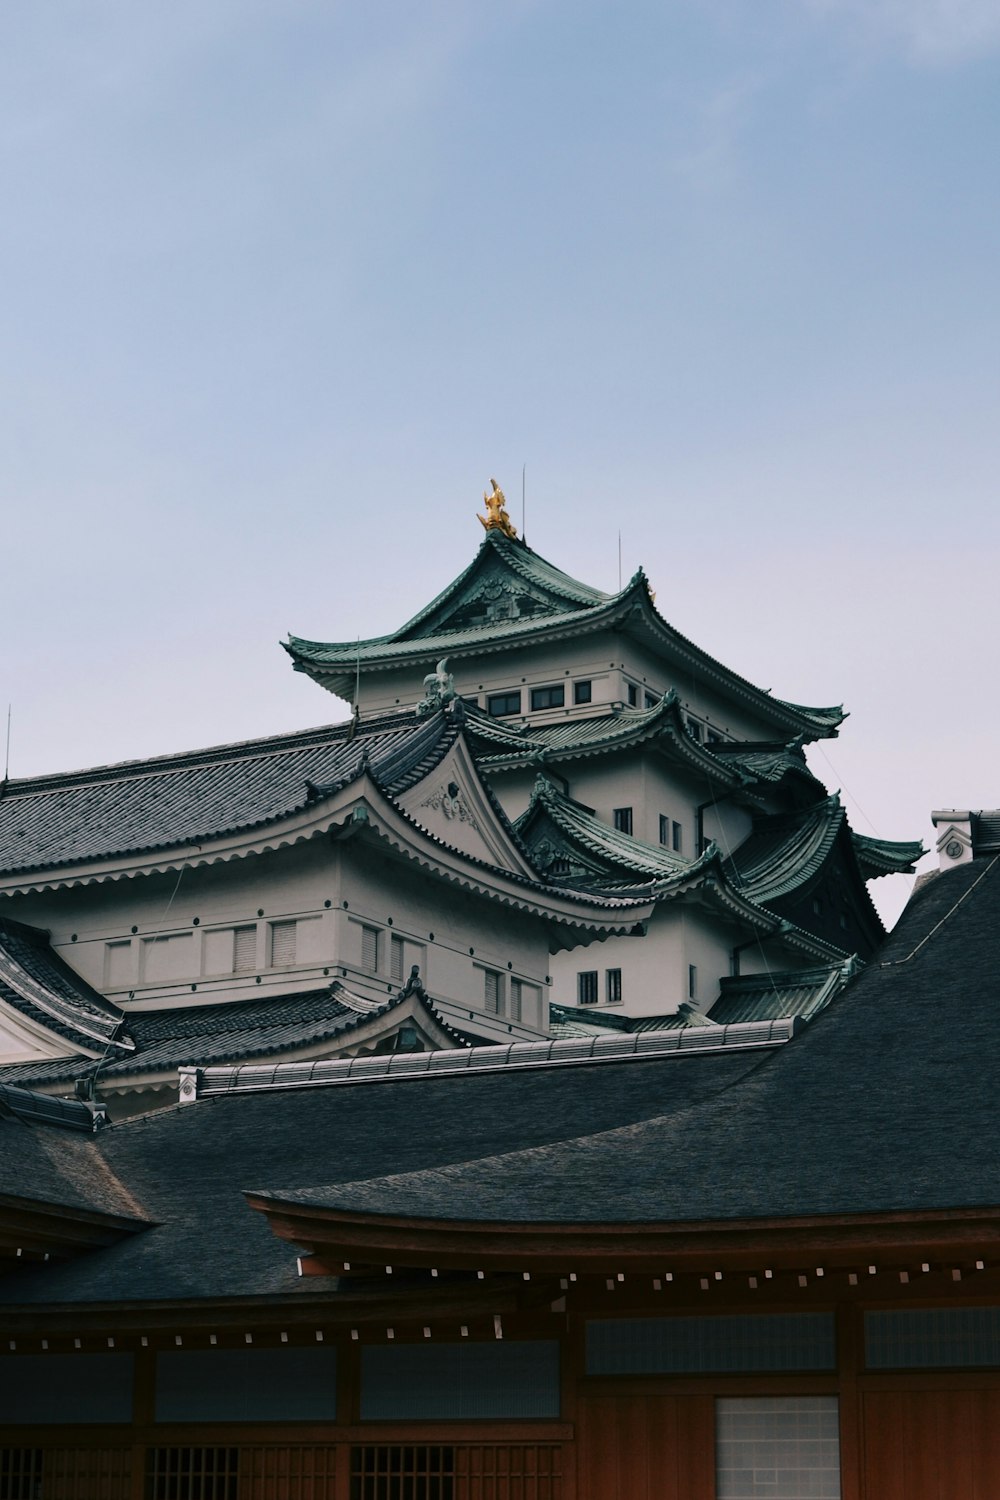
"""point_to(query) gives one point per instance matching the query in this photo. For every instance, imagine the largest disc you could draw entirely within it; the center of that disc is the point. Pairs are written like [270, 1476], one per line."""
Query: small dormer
[954, 837]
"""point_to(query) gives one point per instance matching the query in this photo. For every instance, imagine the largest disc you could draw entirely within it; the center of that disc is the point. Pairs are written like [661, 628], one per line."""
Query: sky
[283, 283]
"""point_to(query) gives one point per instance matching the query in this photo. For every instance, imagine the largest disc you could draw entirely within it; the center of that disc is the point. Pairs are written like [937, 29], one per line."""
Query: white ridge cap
[247, 1078]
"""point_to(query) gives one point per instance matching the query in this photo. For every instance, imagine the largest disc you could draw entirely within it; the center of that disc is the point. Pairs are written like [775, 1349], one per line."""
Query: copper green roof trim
[510, 594]
[766, 997]
[785, 851]
[884, 856]
[626, 728]
[556, 830]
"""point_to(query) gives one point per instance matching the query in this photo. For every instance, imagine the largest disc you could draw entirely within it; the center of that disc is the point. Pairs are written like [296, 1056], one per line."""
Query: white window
[777, 1445]
[369, 948]
[244, 949]
[283, 943]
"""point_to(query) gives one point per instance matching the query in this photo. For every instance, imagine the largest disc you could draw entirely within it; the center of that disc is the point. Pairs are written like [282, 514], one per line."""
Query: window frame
[586, 981]
[507, 696]
[556, 692]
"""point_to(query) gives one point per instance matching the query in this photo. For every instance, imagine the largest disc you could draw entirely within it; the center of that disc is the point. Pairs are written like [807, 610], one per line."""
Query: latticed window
[283, 943]
[586, 987]
[186, 1473]
[460, 1471]
[613, 986]
[20, 1473]
[515, 1000]
[623, 819]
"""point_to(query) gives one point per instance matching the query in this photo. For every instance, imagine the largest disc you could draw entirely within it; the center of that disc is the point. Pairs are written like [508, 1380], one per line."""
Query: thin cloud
[930, 31]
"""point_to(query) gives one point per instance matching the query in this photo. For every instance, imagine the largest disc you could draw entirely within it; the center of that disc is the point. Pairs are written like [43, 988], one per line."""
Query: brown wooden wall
[645, 1448]
[932, 1444]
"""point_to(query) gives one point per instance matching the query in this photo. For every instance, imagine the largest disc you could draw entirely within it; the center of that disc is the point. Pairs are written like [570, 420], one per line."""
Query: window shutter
[369, 948]
[397, 951]
[282, 943]
[493, 991]
[245, 949]
[515, 1000]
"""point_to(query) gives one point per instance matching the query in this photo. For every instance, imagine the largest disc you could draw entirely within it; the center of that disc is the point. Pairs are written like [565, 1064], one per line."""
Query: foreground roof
[882, 1106]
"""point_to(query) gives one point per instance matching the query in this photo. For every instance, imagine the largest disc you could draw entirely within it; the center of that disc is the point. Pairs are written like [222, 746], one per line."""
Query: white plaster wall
[310, 882]
[655, 967]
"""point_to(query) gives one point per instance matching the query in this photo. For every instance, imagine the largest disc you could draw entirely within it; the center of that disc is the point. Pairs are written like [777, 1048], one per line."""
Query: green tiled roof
[885, 857]
[509, 594]
[784, 851]
[551, 812]
[766, 997]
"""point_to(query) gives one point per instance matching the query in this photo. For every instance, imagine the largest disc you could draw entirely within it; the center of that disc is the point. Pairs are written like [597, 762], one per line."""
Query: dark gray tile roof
[182, 799]
[886, 1102]
[205, 1034]
[35, 981]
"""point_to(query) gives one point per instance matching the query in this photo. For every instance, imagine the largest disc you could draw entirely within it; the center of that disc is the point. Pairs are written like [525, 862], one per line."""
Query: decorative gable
[452, 804]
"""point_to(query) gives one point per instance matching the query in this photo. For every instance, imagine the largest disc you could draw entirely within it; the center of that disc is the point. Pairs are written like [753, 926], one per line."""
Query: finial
[496, 517]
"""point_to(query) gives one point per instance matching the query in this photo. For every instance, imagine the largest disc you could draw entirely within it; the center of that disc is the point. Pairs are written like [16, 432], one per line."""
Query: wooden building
[701, 1263]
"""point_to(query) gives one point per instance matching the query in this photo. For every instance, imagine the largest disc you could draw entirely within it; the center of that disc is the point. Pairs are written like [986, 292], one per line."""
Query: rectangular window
[283, 943]
[633, 694]
[692, 981]
[244, 950]
[246, 1385]
[548, 697]
[678, 838]
[650, 700]
[623, 819]
[471, 1382]
[582, 692]
[694, 729]
[723, 1344]
[20, 1473]
[210, 1473]
[118, 965]
[66, 1388]
[493, 988]
[664, 830]
[515, 1000]
[586, 987]
[397, 957]
[613, 986]
[447, 1471]
[712, 737]
[501, 705]
[932, 1338]
[773, 1446]
[369, 948]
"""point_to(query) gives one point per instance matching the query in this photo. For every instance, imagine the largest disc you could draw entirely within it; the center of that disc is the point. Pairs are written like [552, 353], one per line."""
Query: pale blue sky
[282, 284]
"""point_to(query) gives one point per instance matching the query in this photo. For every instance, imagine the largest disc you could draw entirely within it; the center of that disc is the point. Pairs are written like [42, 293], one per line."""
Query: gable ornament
[450, 801]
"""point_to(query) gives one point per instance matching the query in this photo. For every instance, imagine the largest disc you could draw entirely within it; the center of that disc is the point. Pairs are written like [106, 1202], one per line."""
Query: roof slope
[182, 799]
[35, 981]
[880, 1105]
